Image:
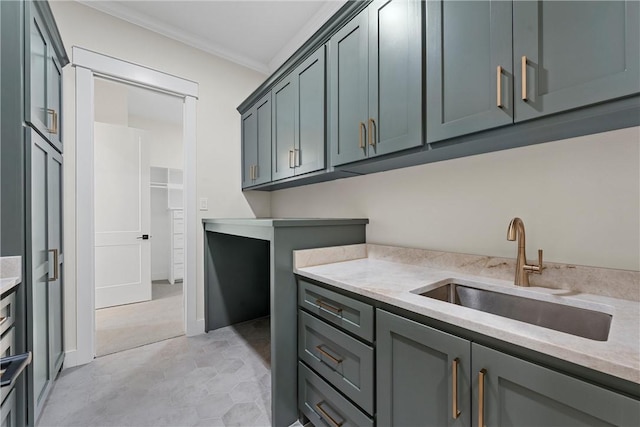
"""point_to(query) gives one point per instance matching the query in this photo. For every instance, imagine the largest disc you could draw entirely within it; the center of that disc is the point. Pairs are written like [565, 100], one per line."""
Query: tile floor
[221, 378]
[128, 326]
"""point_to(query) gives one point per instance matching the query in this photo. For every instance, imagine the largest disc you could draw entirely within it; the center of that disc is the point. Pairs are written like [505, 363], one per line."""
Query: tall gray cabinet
[32, 215]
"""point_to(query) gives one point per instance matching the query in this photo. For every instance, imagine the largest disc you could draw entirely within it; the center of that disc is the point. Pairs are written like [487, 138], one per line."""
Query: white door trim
[89, 64]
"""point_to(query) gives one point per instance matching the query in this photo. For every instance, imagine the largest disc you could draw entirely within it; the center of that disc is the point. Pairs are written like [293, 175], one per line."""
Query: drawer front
[178, 226]
[178, 213]
[352, 315]
[343, 361]
[178, 271]
[7, 312]
[178, 241]
[8, 343]
[8, 410]
[323, 405]
[178, 256]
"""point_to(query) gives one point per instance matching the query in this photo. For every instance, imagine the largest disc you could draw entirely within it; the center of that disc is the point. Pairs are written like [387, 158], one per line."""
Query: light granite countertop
[367, 270]
[10, 273]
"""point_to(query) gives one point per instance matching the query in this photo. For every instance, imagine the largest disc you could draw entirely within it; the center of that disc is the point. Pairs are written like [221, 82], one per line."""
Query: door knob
[144, 237]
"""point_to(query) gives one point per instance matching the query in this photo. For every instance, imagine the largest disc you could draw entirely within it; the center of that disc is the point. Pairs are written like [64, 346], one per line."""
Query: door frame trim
[88, 65]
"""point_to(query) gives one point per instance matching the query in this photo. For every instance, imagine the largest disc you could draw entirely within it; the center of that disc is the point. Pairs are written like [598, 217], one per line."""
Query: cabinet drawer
[8, 410]
[178, 271]
[178, 226]
[343, 361]
[8, 343]
[178, 241]
[178, 213]
[7, 312]
[352, 315]
[178, 256]
[323, 405]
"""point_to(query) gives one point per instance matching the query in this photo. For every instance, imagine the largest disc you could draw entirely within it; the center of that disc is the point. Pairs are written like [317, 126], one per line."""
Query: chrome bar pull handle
[56, 272]
[454, 388]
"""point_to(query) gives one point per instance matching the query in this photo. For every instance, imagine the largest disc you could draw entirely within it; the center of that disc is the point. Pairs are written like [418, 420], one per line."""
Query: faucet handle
[535, 268]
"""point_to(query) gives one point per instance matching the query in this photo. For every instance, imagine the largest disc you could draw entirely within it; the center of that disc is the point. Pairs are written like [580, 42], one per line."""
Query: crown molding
[122, 12]
[314, 24]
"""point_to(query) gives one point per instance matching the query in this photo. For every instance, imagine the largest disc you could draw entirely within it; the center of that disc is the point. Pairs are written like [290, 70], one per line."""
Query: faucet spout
[516, 231]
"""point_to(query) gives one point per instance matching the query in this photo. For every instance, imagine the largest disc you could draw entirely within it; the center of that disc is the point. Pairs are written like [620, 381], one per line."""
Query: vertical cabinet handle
[524, 78]
[361, 143]
[328, 417]
[481, 376]
[251, 172]
[54, 119]
[290, 159]
[255, 171]
[296, 157]
[55, 266]
[372, 133]
[499, 83]
[454, 388]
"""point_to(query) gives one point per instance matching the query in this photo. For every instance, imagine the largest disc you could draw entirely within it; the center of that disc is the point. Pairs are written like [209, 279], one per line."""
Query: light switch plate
[204, 204]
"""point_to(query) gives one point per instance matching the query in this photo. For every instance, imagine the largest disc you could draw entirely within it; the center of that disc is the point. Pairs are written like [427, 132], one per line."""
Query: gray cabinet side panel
[395, 76]
[414, 374]
[467, 42]
[520, 393]
[284, 308]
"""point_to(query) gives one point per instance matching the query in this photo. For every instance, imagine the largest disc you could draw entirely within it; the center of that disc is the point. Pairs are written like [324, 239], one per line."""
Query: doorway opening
[139, 217]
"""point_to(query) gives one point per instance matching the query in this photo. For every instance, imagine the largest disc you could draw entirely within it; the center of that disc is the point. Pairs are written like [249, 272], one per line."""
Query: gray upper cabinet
[512, 392]
[43, 74]
[299, 119]
[571, 54]
[422, 374]
[256, 143]
[376, 82]
[469, 67]
[349, 89]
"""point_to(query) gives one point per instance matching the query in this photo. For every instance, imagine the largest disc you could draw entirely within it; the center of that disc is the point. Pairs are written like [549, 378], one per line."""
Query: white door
[122, 216]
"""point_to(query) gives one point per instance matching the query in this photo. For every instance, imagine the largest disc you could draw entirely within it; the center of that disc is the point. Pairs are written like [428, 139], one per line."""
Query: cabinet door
[284, 129]
[249, 146]
[467, 42]
[395, 76]
[36, 107]
[54, 101]
[262, 172]
[38, 291]
[520, 393]
[577, 53]
[54, 287]
[415, 371]
[310, 114]
[349, 91]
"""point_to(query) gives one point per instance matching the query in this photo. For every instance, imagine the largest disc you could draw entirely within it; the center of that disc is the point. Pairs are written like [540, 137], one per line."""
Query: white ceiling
[259, 34]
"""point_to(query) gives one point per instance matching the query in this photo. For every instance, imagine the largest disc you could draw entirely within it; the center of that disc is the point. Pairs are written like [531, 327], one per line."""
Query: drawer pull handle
[481, 375]
[335, 360]
[328, 417]
[3, 319]
[329, 307]
[54, 119]
[454, 395]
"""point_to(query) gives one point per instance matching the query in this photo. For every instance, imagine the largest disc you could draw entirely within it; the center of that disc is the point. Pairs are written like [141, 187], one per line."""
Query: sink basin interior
[577, 321]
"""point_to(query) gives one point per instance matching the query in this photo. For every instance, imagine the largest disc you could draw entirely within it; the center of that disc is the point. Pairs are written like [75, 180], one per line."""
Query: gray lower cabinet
[44, 271]
[376, 82]
[299, 119]
[509, 391]
[256, 143]
[569, 54]
[422, 374]
[8, 411]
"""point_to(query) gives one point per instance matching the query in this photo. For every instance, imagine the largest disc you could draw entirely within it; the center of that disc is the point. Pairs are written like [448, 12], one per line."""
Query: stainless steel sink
[584, 323]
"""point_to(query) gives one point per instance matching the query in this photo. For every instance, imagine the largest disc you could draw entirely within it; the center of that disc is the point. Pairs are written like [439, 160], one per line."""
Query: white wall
[579, 199]
[222, 86]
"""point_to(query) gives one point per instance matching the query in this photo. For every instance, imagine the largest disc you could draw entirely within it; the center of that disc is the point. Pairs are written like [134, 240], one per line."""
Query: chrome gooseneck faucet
[516, 231]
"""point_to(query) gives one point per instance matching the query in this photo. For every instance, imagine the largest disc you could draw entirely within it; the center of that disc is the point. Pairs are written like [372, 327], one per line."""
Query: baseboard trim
[70, 359]
[195, 328]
